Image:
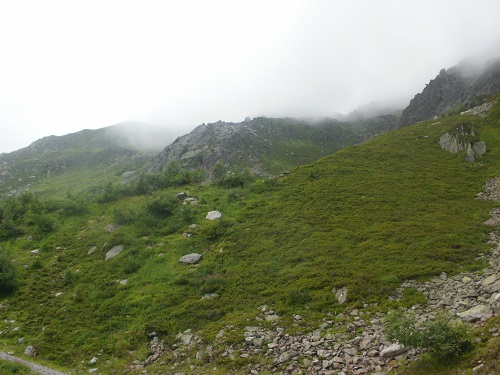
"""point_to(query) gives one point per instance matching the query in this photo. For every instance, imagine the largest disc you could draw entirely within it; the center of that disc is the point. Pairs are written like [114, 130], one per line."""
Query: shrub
[68, 277]
[45, 223]
[299, 297]
[8, 281]
[442, 337]
[124, 216]
[164, 205]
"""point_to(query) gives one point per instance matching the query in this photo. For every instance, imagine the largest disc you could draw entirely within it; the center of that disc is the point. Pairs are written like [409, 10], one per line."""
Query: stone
[272, 318]
[114, 252]
[493, 287]
[91, 250]
[489, 280]
[192, 258]
[494, 221]
[213, 215]
[393, 351]
[466, 279]
[341, 294]
[476, 313]
[182, 195]
[30, 351]
[209, 296]
[35, 251]
[110, 228]
[258, 342]
[93, 361]
[186, 338]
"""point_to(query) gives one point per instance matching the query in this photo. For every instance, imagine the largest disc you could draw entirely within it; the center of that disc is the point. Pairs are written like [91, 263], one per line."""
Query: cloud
[68, 66]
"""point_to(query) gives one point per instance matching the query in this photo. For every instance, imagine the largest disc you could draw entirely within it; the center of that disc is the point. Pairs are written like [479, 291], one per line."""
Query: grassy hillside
[74, 162]
[365, 218]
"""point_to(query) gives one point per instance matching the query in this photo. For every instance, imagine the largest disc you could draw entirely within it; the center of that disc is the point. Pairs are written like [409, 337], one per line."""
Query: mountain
[297, 273]
[267, 146]
[454, 90]
[79, 159]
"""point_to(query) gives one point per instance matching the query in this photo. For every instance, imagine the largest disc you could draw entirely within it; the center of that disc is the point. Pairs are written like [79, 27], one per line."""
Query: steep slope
[455, 89]
[353, 224]
[267, 146]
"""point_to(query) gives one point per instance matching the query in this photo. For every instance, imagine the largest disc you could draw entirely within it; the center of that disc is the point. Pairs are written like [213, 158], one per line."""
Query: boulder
[30, 351]
[192, 258]
[114, 252]
[341, 294]
[182, 195]
[213, 215]
[489, 280]
[493, 288]
[110, 228]
[476, 313]
[393, 351]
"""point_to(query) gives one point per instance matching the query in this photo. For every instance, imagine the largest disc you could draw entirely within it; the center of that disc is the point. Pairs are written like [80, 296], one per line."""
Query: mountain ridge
[454, 90]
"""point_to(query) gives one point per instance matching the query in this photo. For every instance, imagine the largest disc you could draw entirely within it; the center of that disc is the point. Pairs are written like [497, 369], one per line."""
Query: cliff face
[459, 87]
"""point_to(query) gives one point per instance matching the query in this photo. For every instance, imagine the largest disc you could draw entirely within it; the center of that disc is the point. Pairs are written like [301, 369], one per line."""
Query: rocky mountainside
[267, 146]
[454, 90]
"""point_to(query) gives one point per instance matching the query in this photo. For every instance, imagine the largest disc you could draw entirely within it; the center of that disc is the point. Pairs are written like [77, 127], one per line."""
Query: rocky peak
[462, 86]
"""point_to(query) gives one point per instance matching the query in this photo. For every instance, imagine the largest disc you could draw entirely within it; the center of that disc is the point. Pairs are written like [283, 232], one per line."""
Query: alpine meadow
[274, 245]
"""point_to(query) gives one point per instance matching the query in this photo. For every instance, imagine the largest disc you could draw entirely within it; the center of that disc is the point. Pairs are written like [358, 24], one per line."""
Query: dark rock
[460, 85]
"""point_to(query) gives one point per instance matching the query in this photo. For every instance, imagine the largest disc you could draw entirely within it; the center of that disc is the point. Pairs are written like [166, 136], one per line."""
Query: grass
[365, 218]
[8, 368]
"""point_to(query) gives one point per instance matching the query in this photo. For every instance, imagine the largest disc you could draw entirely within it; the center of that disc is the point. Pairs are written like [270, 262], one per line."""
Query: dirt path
[33, 366]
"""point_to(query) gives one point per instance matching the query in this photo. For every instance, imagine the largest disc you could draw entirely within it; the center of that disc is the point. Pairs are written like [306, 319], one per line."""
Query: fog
[68, 66]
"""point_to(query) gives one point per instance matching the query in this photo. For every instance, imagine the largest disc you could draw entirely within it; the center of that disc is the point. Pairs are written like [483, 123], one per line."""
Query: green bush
[124, 216]
[164, 205]
[68, 277]
[8, 281]
[442, 337]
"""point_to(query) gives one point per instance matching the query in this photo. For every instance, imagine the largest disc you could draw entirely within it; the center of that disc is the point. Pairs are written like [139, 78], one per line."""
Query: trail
[33, 366]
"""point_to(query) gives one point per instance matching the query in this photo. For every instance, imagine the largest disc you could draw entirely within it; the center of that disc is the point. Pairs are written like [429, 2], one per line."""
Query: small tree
[442, 337]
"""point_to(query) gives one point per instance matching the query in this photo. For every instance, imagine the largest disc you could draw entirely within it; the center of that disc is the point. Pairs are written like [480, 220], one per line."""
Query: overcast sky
[71, 65]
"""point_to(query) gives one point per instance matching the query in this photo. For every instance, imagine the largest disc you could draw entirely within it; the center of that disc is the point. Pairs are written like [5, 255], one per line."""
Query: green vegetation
[8, 281]
[443, 337]
[8, 368]
[366, 218]
[484, 358]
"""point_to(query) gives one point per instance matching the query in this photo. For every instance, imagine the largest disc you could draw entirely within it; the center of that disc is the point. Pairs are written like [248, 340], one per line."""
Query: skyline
[69, 66]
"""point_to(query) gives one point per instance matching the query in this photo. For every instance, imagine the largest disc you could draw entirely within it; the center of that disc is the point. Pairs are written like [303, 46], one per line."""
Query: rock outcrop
[461, 86]
[463, 138]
